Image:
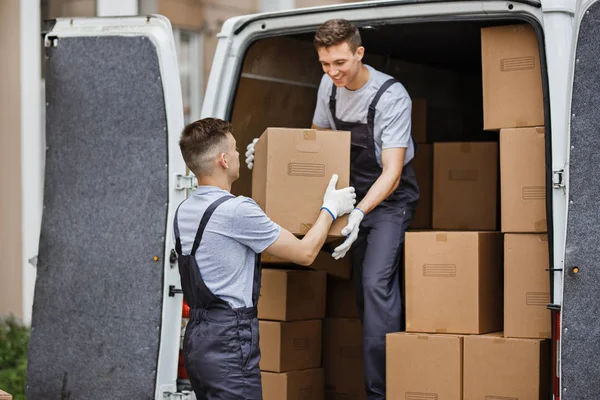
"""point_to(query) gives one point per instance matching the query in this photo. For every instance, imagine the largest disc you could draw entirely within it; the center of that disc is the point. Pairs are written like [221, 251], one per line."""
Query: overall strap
[207, 214]
[373, 105]
[176, 231]
[332, 101]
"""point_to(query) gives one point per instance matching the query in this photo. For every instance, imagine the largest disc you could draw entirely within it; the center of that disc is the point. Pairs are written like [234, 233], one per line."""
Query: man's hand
[250, 154]
[338, 201]
[350, 230]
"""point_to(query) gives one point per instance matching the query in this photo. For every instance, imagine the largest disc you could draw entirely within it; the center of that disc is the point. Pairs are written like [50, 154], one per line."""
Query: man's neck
[361, 78]
[221, 183]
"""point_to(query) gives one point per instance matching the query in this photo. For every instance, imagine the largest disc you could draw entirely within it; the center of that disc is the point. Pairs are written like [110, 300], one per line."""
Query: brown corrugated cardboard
[343, 359]
[512, 81]
[423, 367]
[295, 385]
[341, 268]
[498, 368]
[292, 168]
[526, 286]
[288, 295]
[465, 179]
[453, 282]
[419, 121]
[423, 166]
[290, 346]
[341, 299]
[523, 180]
[4, 395]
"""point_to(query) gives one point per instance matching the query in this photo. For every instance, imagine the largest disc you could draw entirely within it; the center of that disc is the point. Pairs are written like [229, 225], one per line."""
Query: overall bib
[220, 346]
[376, 254]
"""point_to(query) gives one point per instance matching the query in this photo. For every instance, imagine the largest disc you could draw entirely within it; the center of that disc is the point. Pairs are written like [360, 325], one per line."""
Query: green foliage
[14, 342]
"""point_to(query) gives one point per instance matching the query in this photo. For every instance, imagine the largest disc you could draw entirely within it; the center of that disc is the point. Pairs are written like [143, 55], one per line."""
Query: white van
[107, 308]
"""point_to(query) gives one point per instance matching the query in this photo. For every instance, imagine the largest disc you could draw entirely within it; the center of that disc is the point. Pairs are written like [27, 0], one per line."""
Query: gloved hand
[338, 201]
[350, 230]
[250, 154]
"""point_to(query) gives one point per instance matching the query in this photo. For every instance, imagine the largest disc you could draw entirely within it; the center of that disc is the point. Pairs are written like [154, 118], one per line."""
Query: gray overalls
[377, 251]
[220, 347]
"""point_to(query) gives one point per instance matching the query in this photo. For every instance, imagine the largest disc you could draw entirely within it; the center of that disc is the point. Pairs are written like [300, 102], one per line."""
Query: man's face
[233, 158]
[340, 63]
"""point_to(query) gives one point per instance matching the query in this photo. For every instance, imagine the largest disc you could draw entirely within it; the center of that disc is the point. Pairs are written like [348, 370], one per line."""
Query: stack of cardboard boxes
[310, 334]
[476, 298]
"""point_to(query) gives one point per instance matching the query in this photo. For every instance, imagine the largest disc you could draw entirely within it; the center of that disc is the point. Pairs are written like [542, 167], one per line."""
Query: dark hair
[199, 139]
[337, 31]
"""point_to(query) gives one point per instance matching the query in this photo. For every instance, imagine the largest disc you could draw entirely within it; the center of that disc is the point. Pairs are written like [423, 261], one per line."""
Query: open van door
[106, 321]
[580, 331]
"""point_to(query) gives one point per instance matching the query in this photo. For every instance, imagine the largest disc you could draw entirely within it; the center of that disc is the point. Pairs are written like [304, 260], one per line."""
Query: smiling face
[340, 63]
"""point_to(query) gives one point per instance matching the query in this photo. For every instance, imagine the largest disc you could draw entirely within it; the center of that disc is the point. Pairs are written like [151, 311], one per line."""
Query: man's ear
[360, 53]
[222, 161]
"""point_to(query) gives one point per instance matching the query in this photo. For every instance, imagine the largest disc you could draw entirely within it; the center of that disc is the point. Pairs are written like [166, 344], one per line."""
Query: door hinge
[183, 182]
[558, 180]
[183, 395]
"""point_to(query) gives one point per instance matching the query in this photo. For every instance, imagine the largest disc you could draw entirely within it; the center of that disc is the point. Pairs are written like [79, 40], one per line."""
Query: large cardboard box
[341, 268]
[499, 368]
[423, 367]
[465, 180]
[523, 179]
[453, 282]
[419, 120]
[292, 168]
[296, 385]
[291, 295]
[341, 299]
[423, 166]
[343, 359]
[512, 79]
[4, 395]
[290, 346]
[526, 286]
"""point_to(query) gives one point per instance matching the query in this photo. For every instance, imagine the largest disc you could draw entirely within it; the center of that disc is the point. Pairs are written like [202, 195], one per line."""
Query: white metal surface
[158, 30]
[113, 8]
[32, 148]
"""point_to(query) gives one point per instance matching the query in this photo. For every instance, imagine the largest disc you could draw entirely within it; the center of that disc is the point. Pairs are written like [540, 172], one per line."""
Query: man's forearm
[316, 236]
[381, 189]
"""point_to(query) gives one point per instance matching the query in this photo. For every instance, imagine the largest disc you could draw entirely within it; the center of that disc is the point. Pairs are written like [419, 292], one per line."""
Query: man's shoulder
[395, 91]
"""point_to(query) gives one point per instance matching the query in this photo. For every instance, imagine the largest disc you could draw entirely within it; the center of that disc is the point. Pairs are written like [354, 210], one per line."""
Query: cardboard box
[523, 179]
[343, 359]
[453, 282]
[290, 346]
[295, 385]
[526, 286]
[341, 268]
[341, 299]
[288, 295]
[499, 368]
[423, 166]
[419, 121]
[465, 180]
[292, 168]
[511, 77]
[423, 367]
[4, 395]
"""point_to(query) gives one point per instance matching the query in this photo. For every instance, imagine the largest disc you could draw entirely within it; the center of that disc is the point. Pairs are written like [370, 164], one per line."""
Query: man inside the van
[218, 239]
[376, 109]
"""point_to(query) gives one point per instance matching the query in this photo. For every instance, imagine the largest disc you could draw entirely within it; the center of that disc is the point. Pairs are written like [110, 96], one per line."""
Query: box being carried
[292, 168]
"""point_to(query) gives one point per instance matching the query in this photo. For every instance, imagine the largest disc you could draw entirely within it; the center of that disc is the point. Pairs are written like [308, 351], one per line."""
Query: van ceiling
[453, 45]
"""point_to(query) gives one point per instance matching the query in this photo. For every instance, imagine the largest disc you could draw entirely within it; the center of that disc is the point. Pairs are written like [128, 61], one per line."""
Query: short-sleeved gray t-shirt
[392, 115]
[237, 230]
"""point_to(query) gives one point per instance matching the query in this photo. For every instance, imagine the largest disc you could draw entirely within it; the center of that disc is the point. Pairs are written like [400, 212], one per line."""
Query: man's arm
[302, 251]
[392, 161]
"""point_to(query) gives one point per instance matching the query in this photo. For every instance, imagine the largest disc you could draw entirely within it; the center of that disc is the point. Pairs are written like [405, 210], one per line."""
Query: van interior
[438, 62]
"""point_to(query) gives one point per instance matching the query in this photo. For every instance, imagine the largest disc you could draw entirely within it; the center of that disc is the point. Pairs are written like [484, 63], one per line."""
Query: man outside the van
[376, 109]
[218, 239]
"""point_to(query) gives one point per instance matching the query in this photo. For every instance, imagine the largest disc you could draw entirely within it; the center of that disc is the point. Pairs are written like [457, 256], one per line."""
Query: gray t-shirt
[392, 114]
[236, 231]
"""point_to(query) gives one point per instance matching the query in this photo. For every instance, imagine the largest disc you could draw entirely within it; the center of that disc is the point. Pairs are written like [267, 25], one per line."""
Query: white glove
[250, 154]
[350, 230]
[338, 201]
